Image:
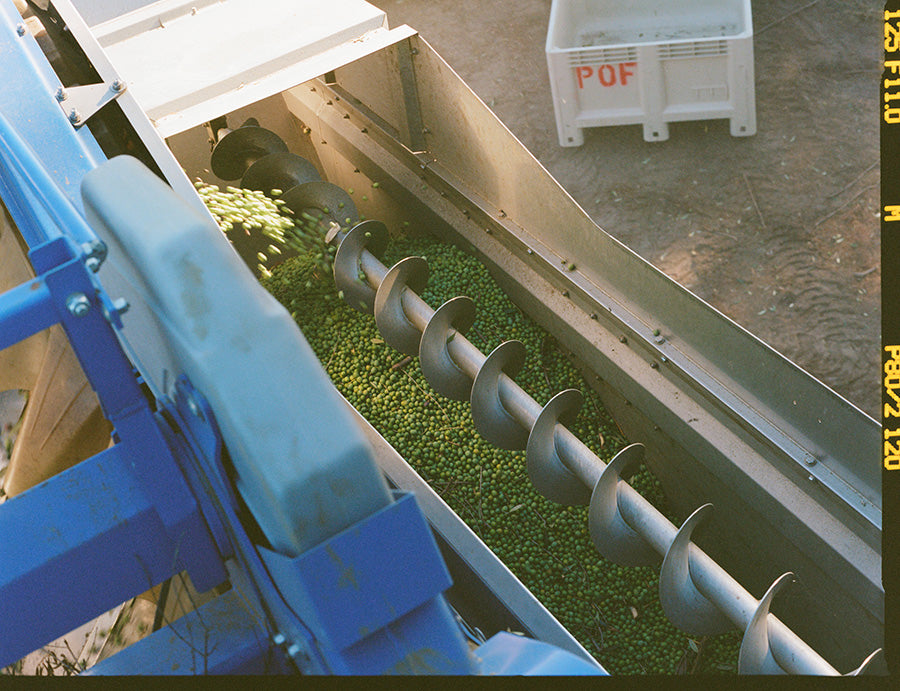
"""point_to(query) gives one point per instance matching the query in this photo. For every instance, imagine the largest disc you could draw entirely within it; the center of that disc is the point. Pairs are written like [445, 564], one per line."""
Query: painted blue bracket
[55, 536]
[222, 637]
[24, 311]
[373, 596]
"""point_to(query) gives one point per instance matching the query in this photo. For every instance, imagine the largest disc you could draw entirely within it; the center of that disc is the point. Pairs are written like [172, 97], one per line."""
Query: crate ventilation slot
[693, 49]
[597, 56]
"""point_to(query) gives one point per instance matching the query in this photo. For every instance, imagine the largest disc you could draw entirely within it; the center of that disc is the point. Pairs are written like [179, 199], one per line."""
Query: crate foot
[742, 128]
[656, 132]
[573, 136]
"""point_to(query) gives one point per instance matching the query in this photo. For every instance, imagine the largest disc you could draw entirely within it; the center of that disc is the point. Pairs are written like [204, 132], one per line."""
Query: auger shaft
[711, 579]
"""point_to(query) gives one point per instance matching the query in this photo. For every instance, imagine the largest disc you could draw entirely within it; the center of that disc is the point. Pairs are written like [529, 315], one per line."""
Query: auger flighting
[697, 595]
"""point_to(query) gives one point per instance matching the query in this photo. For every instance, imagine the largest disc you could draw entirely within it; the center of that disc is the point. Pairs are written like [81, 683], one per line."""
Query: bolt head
[61, 94]
[20, 29]
[118, 85]
[74, 116]
[78, 304]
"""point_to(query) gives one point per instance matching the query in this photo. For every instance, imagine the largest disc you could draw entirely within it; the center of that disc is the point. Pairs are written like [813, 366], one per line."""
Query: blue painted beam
[222, 637]
[75, 546]
[29, 106]
[24, 311]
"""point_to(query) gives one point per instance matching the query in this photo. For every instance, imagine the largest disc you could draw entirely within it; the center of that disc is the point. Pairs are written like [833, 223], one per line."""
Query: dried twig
[853, 182]
[403, 363]
[789, 14]
[845, 204]
[753, 199]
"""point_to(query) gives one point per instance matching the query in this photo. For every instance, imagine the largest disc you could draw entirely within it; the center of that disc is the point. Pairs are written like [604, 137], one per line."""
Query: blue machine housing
[235, 392]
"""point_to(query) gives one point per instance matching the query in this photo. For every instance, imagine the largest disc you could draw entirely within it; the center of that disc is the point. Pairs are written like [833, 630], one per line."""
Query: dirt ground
[780, 230]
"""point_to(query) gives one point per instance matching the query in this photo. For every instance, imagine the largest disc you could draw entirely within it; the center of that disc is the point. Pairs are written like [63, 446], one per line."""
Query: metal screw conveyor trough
[697, 594]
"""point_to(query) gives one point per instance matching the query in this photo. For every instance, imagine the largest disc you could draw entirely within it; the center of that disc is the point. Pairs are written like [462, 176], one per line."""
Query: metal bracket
[414, 123]
[79, 103]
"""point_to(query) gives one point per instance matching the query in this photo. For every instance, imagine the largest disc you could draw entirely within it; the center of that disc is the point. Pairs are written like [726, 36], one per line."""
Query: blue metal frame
[364, 601]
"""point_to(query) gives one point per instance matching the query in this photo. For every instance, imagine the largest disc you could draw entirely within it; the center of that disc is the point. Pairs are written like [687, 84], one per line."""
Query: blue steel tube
[24, 311]
[18, 161]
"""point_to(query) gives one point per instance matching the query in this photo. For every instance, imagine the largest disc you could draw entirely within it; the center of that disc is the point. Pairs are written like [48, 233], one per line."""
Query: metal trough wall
[771, 447]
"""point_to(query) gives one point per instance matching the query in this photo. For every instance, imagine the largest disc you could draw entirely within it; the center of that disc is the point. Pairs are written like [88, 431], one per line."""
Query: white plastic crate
[650, 62]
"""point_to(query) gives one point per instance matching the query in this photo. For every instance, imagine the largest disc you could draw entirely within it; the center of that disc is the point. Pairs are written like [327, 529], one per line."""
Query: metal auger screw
[61, 94]
[78, 304]
[654, 365]
[20, 29]
[623, 339]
